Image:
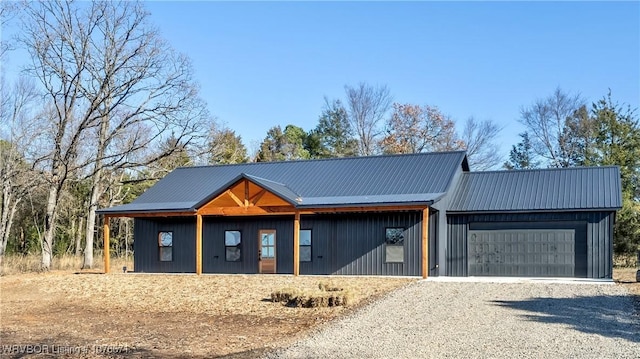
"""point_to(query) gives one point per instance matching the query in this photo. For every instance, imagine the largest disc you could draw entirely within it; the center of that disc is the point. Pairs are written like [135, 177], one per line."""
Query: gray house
[415, 215]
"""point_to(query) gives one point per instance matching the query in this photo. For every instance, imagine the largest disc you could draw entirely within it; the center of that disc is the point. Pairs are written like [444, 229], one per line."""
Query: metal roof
[279, 189]
[583, 188]
[391, 179]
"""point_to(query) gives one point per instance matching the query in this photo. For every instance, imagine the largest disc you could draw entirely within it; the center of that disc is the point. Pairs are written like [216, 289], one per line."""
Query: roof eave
[366, 205]
[106, 211]
[604, 209]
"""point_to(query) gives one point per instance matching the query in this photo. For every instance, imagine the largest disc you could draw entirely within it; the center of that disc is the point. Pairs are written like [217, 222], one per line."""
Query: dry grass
[625, 261]
[16, 264]
[167, 315]
[627, 277]
[177, 315]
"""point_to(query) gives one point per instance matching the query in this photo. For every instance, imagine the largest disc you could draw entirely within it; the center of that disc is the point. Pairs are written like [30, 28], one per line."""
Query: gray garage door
[523, 253]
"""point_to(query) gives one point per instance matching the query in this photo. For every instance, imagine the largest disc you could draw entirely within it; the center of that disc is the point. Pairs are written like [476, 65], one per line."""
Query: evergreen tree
[333, 136]
[617, 142]
[225, 147]
[284, 145]
[522, 156]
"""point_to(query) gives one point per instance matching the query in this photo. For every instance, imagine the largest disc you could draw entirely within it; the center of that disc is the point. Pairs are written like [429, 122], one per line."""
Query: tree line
[105, 107]
[368, 122]
[563, 130]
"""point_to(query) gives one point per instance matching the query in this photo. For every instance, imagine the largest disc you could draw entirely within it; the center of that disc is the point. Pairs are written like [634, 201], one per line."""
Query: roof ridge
[260, 179]
[328, 159]
[542, 169]
[263, 179]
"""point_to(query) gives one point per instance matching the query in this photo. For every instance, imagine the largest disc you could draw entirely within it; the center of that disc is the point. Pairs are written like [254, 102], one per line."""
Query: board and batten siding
[352, 244]
[213, 248]
[359, 244]
[340, 244]
[594, 237]
[146, 253]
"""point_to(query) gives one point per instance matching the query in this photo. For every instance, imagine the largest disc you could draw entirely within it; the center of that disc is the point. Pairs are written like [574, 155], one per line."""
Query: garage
[541, 248]
[522, 253]
[535, 223]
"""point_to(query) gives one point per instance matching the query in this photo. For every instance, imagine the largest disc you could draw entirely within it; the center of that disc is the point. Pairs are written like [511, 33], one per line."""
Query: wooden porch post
[198, 244]
[425, 243]
[107, 255]
[296, 244]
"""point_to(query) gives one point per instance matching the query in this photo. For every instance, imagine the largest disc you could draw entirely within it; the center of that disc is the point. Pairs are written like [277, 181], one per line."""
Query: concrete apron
[520, 280]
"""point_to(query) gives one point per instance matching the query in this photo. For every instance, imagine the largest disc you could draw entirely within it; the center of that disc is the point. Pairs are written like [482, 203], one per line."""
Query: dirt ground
[65, 314]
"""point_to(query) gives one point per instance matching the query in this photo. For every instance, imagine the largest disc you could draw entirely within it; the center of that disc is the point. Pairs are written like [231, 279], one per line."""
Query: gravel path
[487, 320]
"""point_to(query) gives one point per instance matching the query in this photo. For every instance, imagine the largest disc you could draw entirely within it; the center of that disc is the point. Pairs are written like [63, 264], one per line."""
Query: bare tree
[479, 140]
[367, 106]
[8, 10]
[142, 84]
[16, 174]
[414, 129]
[546, 120]
[114, 88]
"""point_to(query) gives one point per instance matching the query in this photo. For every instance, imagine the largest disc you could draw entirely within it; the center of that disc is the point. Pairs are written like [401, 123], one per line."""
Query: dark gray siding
[341, 244]
[440, 222]
[594, 236]
[359, 244]
[457, 246]
[213, 249]
[146, 251]
[434, 247]
[600, 246]
[323, 245]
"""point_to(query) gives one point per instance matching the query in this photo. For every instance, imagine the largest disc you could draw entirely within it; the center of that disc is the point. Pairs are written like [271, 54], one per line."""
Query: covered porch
[253, 197]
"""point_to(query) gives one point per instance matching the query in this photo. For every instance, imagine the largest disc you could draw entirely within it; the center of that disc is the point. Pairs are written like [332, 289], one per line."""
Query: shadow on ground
[609, 316]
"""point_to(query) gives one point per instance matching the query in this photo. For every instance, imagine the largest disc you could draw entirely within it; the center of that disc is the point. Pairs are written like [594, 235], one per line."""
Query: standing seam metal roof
[413, 178]
[583, 188]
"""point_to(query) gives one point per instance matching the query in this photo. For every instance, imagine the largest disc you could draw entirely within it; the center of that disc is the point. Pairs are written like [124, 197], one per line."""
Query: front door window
[267, 251]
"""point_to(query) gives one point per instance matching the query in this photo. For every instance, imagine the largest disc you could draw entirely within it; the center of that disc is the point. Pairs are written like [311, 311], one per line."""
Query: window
[394, 245]
[305, 245]
[165, 245]
[232, 243]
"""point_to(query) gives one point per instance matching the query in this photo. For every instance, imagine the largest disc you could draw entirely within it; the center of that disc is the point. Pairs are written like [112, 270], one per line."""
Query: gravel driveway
[488, 320]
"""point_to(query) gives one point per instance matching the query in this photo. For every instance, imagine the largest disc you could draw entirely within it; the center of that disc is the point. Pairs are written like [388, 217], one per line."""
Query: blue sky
[265, 64]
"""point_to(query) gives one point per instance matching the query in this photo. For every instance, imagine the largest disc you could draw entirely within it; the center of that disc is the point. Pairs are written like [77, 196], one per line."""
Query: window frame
[238, 246]
[162, 247]
[310, 245]
[390, 243]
